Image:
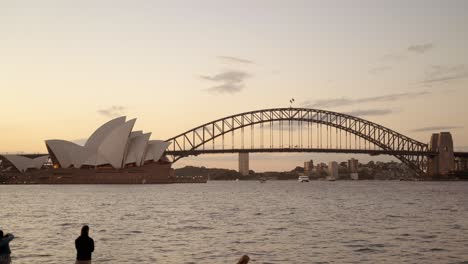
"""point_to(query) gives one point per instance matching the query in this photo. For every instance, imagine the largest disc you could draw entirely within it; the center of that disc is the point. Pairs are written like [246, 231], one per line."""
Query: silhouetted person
[5, 248]
[84, 246]
[244, 260]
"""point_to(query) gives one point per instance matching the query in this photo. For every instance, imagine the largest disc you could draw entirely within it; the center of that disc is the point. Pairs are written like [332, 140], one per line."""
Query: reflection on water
[217, 222]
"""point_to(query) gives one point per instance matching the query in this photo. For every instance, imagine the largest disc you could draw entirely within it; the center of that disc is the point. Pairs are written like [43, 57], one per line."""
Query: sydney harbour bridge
[312, 130]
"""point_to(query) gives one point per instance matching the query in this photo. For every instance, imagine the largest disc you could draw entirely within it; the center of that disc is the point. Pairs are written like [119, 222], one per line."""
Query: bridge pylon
[244, 163]
[444, 162]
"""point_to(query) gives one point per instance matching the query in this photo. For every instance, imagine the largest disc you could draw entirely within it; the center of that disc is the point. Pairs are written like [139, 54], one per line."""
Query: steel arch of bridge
[411, 152]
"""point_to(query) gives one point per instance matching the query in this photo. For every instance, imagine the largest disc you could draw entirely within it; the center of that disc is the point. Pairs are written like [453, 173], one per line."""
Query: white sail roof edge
[136, 148]
[155, 149]
[95, 140]
[22, 163]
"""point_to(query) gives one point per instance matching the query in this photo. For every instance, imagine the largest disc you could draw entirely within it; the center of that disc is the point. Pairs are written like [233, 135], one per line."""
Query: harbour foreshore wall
[148, 174]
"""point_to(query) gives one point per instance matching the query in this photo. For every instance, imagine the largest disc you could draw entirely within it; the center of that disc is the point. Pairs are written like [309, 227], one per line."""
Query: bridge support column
[444, 161]
[244, 163]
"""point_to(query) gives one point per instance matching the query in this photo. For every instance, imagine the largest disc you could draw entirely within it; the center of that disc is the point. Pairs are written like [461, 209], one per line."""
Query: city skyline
[175, 68]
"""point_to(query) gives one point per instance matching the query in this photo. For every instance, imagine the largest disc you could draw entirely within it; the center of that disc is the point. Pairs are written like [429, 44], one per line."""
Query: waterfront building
[308, 167]
[113, 154]
[320, 168]
[461, 164]
[244, 163]
[353, 165]
[333, 169]
[111, 145]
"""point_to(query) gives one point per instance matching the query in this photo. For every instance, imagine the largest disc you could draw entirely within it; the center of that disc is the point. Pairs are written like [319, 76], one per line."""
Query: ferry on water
[303, 178]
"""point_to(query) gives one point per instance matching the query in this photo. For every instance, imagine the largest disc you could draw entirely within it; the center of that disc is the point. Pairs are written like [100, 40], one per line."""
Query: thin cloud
[227, 88]
[444, 73]
[227, 82]
[435, 128]
[235, 59]
[420, 48]
[393, 57]
[377, 70]
[113, 111]
[336, 102]
[410, 50]
[369, 112]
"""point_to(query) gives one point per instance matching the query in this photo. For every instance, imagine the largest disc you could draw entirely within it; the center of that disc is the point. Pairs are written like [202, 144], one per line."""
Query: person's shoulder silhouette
[5, 251]
[84, 246]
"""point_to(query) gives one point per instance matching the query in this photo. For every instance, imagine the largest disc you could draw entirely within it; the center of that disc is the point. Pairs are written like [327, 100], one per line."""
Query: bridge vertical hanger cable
[336, 139]
[281, 133]
[252, 136]
[289, 129]
[308, 130]
[271, 134]
[242, 132]
[261, 135]
[318, 135]
[311, 130]
[321, 131]
[328, 117]
[232, 120]
[299, 123]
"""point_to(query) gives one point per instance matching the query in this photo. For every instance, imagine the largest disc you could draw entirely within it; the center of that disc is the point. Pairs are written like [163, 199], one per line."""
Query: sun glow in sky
[68, 66]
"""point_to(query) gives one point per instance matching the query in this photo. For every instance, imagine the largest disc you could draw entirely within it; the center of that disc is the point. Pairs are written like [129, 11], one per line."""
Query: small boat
[303, 178]
[262, 180]
[331, 178]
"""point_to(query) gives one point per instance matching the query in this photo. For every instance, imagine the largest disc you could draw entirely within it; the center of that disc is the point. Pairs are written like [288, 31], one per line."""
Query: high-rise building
[333, 169]
[353, 165]
[244, 163]
[308, 167]
[320, 168]
[461, 164]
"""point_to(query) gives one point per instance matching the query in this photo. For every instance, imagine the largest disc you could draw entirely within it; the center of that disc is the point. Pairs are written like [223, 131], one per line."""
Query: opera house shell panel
[112, 154]
[22, 164]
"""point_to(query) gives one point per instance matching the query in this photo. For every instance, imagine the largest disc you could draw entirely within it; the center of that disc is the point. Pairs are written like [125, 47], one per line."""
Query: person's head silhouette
[85, 230]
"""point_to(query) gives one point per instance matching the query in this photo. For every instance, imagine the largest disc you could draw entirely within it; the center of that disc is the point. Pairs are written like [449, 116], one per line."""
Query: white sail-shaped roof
[112, 149]
[67, 153]
[96, 139]
[113, 143]
[155, 149]
[23, 163]
[39, 161]
[136, 133]
[136, 149]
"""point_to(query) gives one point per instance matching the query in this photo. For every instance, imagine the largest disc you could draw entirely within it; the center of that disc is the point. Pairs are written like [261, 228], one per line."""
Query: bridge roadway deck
[267, 150]
[310, 150]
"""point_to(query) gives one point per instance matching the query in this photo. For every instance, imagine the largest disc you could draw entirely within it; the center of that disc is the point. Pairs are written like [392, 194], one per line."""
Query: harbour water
[217, 222]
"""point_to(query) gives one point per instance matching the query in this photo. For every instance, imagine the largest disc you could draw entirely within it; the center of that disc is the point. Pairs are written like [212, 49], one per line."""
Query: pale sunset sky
[66, 67]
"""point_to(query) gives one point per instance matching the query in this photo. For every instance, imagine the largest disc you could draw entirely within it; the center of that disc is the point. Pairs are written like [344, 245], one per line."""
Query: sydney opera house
[112, 154]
